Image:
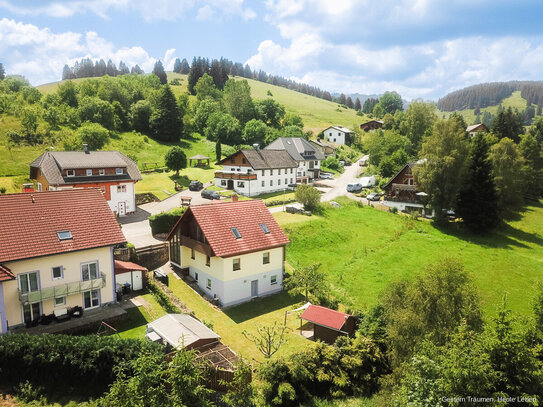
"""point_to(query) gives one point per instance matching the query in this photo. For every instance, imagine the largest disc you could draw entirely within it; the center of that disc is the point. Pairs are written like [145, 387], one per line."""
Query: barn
[329, 324]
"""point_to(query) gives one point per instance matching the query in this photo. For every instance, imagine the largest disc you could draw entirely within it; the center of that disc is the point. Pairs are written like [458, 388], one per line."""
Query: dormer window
[64, 235]
[264, 228]
[70, 173]
[236, 233]
[119, 171]
[89, 173]
[102, 171]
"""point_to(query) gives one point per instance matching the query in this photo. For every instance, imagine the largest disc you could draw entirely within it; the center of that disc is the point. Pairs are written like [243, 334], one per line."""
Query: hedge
[164, 222]
[57, 361]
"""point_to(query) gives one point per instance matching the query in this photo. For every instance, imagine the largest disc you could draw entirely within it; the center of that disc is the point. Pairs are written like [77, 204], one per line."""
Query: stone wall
[152, 257]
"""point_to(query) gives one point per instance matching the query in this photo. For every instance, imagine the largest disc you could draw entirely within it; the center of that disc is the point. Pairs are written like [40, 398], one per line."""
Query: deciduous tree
[175, 159]
[238, 101]
[306, 280]
[268, 339]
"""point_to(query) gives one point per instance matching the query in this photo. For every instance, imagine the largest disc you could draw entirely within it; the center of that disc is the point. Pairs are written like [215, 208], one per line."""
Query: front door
[230, 184]
[137, 283]
[122, 208]
[254, 288]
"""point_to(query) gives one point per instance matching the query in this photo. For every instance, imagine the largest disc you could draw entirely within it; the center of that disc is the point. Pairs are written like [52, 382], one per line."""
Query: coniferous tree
[165, 123]
[137, 70]
[123, 69]
[111, 69]
[218, 148]
[349, 103]
[342, 99]
[357, 105]
[477, 199]
[159, 71]
[507, 124]
[2, 72]
[185, 67]
[100, 68]
[177, 65]
[67, 73]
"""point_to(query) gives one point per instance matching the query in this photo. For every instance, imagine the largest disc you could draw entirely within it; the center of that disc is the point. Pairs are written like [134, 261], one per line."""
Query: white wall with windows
[269, 180]
[335, 135]
[123, 198]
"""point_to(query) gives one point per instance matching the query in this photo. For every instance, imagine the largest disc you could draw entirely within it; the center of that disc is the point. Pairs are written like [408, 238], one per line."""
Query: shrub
[164, 222]
[308, 196]
[393, 209]
[162, 298]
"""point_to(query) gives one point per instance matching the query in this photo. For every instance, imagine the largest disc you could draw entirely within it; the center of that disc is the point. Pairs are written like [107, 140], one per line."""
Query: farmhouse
[305, 154]
[476, 128]
[324, 147]
[111, 172]
[328, 324]
[371, 125]
[253, 172]
[338, 134]
[55, 254]
[235, 251]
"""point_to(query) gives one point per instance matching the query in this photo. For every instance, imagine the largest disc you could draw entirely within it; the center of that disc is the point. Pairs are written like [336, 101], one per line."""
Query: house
[324, 147]
[177, 331]
[253, 172]
[55, 253]
[476, 128]
[338, 134]
[111, 172]
[235, 251]
[371, 125]
[130, 273]
[306, 155]
[328, 324]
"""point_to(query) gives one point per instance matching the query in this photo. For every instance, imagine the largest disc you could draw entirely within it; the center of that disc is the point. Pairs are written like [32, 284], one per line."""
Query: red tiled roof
[325, 317]
[5, 274]
[124, 266]
[216, 221]
[30, 223]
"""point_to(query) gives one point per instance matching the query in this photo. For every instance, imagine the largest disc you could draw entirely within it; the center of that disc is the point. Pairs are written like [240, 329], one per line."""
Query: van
[368, 182]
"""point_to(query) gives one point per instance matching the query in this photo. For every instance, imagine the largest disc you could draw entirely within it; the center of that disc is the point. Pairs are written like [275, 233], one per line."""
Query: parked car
[354, 187]
[195, 185]
[326, 175]
[207, 194]
[373, 197]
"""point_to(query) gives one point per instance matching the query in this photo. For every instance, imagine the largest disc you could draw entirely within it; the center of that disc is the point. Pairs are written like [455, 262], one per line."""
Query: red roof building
[235, 250]
[131, 274]
[328, 323]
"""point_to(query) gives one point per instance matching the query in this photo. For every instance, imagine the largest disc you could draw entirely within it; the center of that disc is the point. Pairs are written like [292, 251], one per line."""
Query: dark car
[373, 196]
[195, 185]
[207, 194]
[354, 187]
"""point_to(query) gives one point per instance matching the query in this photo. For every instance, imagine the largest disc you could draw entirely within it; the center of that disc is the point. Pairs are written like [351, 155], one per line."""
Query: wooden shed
[329, 324]
[127, 272]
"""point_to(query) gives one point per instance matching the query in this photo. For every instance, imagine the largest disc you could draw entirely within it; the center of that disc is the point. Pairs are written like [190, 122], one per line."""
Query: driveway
[340, 183]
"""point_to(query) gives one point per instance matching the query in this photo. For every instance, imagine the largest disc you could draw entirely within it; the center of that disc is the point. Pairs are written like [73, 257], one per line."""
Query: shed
[199, 158]
[328, 324]
[127, 272]
[181, 331]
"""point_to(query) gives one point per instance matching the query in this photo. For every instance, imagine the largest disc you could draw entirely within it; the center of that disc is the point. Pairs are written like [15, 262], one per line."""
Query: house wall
[267, 181]
[325, 334]
[335, 136]
[232, 287]
[71, 262]
[128, 197]
[3, 320]
[305, 170]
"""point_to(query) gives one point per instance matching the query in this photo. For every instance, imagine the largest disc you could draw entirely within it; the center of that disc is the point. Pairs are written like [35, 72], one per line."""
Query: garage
[129, 274]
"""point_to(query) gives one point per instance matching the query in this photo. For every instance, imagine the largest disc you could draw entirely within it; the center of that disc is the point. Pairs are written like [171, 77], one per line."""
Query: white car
[326, 175]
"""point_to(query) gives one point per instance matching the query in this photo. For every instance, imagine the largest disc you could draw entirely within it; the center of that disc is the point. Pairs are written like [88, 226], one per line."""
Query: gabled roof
[217, 221]
[372, 121]
[30, 223]
[124, 266]
[51, 164]
[410, 164]
[296, 147]
[325, 317]
[199, 157]
[323, 143]
[5, 274]
[181, 330]
[476, 127]
[340, 128]
[265, 159]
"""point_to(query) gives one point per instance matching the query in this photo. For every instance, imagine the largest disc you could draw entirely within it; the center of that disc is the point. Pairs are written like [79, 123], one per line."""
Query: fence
[154, 256]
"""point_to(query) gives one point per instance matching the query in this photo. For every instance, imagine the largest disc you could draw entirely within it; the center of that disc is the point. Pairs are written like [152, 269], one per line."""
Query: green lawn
[138, 317]
[363, 249]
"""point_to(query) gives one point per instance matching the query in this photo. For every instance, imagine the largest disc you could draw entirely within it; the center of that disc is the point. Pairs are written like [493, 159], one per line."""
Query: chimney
[256, 146]
[86, 148]
[234, 198]
[32, 197]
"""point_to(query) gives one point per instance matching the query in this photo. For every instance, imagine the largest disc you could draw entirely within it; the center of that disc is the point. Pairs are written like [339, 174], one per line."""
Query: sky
[419, 48]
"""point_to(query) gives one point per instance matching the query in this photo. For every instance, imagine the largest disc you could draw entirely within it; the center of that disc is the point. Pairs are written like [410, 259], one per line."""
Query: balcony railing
[232, 175]
[404, 187]
[196, 245]
[62, 290]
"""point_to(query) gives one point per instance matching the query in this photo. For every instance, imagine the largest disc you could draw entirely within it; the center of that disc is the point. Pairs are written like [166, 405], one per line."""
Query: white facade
[123, 198]
[336, 135]
[269, 180]
[306, 168]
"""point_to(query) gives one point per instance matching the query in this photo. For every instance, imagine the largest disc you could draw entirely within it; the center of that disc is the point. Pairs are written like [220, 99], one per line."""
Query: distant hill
[491, 94]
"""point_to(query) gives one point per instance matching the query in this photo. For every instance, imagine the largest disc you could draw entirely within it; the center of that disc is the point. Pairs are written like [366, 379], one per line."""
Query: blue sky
[420, 48]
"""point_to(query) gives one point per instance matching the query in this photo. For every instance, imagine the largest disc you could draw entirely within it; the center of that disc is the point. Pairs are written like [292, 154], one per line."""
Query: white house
[307, 156]
[235, 251]
[338, 134]
[111, 172]
[253, 172]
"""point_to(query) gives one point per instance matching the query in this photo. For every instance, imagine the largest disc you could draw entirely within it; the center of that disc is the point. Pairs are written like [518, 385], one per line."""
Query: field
[363, 249]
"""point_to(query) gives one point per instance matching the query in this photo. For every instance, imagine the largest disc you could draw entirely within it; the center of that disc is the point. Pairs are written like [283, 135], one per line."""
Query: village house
[111, 172]
[324, 147]
[371, 125]
[476, 128]
[253, 172]
[235, 251]
[56, 253]
[305, 154]
[338, 134]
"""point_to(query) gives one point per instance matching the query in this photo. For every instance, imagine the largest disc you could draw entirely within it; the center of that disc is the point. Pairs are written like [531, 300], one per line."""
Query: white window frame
[264, 258]
[89, 172]
[38, 283]
[121, 189]
[101, 171]
[70, 173]
[97, 299]
[223, 182]
[273, 279]
[119, 171]
[59, 304]
[234, 264]
[88, 263]
[53, 273]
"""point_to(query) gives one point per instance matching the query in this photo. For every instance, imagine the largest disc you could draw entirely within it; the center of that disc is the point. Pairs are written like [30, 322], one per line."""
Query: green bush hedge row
[165, 221]
[162, 298]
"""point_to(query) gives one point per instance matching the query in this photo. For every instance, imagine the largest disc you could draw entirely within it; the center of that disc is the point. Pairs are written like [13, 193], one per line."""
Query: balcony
[404, 187]
[196, 245]
[62, 290]
[233, 175]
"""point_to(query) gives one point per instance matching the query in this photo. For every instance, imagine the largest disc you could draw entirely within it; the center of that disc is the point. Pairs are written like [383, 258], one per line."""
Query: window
[279, 171]
[241, 184]
[286, 181]
[271, 172]
[264, 228]
[29, 282]
[411, 181]
[119, 171]
[273, 280]
[89, 271]
[208, 261]
[291, 170]
[89, 173]
[196, 276]
[236, 233]
[64, 235]
[271, 183]
[70, 173]
[121, 188]
[263, 184]
[278, 182]
[192, 254]
[232, 160]
[266, 258]
[244, 161]
[209, 283]
[31, 312]
[292, 180]
[103, 189]
[91, 299]
[59, 301]
[223, 182]
[57, 273]
[102, 171]
[236, 264]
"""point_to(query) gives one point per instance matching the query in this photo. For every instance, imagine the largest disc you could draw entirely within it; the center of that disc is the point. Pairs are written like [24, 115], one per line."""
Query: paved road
[340, 183]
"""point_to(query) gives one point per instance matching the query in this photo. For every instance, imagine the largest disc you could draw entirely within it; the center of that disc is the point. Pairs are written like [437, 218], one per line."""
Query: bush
[331, 163]
[94, 135]
[308, 196]
[164, 222]
[162, 298]
[393, 209]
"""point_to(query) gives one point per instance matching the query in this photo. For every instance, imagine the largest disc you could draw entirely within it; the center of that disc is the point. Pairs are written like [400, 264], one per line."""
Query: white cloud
[40, 54]
[205, 13]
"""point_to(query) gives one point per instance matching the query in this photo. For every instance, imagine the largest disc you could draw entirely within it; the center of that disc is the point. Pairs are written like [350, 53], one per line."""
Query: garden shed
[127, 272]
[329, 324]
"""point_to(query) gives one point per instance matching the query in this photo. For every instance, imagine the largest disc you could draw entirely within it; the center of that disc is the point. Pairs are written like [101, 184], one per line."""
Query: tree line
[87, 68]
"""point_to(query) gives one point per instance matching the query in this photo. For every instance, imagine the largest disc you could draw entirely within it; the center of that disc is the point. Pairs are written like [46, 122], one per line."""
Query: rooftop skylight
[236, 233]
[64, 235]
[264, 228]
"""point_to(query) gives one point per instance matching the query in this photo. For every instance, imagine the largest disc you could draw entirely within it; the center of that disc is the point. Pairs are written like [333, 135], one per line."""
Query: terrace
[232, 175]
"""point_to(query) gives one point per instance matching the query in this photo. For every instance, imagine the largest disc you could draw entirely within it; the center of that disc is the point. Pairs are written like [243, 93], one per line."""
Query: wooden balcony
[233, 175]
[404, 187]
[196, 245]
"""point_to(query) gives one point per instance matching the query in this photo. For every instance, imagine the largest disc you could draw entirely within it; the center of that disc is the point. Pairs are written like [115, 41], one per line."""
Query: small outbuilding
[201, 160]
[371, 125]
[127, 272]
[476, 128]
[329, 324]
